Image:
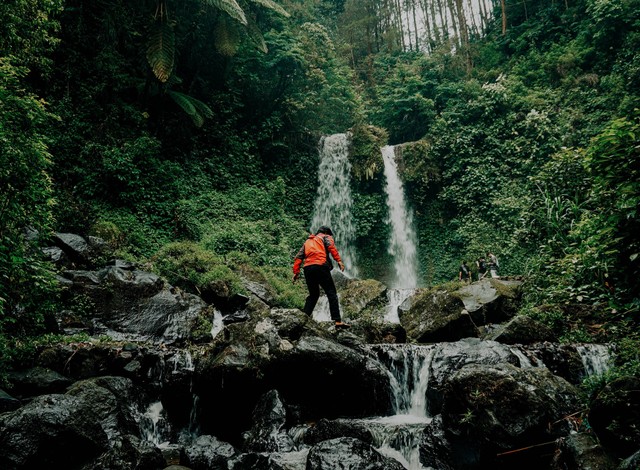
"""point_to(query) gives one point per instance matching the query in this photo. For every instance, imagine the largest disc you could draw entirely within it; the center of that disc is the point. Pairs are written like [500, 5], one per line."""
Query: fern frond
[195, 108]
[226, 37]
[271, 5]
[161, 49]
[256, 36]
[230, 7]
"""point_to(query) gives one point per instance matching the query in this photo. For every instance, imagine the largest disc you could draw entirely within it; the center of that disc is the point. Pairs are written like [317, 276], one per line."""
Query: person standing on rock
[464, 273]
[482, 267]
[493, 265]
[315, 255]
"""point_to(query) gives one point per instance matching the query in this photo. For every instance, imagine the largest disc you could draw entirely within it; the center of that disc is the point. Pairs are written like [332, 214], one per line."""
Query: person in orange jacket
[315, 257]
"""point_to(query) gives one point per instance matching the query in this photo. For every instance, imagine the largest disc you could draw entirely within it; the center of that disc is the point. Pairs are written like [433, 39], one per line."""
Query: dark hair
[326, 230]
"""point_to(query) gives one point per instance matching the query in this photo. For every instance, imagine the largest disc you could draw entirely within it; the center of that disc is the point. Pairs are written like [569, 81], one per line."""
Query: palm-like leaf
[230, 7]
[271, 5]
[227, 37]
[196, 109]
[161, 49]
[256, 36]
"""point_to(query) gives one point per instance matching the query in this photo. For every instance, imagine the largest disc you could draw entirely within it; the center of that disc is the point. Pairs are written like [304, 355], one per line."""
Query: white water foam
[333, 201]
[402, 245]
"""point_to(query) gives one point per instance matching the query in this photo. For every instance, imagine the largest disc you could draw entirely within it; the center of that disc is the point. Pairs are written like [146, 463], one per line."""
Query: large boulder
[78, 250]
[583, 451]
[491, 409]
[269, 461]
[314, 374]
[269, 417]
[37, 381]
[348, 453]
[615, 416]
[491, 300]
[435, 316]
[448, 358]
[363, 297]
[208, 453]
[60, 431]
[137, 304]
[522, 329]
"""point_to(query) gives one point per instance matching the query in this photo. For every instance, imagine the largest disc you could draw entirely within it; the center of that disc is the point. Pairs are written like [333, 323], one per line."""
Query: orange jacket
[315, 251]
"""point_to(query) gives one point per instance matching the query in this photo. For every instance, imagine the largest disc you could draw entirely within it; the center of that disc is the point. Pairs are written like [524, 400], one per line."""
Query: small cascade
[182, 360]
[154, 426]
[321, 312]
[399, 436]
[402, 245]
[216, 323]
[395, 298]
[596, 358]
[333, 201]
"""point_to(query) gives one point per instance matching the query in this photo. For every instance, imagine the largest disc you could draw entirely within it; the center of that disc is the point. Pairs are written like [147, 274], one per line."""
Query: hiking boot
[339, 324]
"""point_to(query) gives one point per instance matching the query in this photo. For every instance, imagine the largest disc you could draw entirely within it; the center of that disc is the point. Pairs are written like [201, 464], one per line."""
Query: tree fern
[271, 5]
[161, 49]
[227, 37]
[196, 109]
[230, 7]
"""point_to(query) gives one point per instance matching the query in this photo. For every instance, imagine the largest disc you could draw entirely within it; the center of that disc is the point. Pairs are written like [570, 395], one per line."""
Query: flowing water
[596, 358]
[333, 202]
[402, 244]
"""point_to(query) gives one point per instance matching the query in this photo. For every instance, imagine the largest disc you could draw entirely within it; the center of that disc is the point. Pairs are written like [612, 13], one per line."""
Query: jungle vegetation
[185, 134]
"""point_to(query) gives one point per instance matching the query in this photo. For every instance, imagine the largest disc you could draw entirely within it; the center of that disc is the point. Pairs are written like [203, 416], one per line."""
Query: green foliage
[194, 269]
[364, 151]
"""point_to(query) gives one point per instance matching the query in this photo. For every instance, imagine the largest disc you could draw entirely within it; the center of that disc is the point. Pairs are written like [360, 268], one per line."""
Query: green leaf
[271, 5]
[161, 50]
[230, 7]
[195, 108]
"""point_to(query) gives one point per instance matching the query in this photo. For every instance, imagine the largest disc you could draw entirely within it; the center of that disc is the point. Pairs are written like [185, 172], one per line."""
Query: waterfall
[596, 358]
[333, 201]
[395, 298]
[402, 245]
[154, 426]
[216, 323]
[399, 436]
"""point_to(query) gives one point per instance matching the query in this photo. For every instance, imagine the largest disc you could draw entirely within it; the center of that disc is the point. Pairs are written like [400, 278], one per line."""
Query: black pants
[320, 276]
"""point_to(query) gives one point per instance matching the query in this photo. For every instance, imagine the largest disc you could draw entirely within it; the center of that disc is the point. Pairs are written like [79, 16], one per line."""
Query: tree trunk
[504, 16]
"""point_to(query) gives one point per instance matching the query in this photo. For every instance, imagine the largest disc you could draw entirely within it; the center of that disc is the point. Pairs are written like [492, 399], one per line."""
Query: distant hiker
[315, 255]
[481, 264]
[464, 272]
[493, 265]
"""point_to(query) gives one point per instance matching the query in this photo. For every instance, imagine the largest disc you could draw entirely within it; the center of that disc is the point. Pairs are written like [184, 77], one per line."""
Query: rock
[348, 454]
[269, 417]
[59, 430]
[361, 298]
[614, 416]
[208, 453]
[561, 359]
[131, 452]
[632, 463]
[490, 300]
[522, 330]
[274, 461]
[489, 409]
[38, 381]
[435, 448]
[326, 429]
[80, 251]
[448, 358]
[7, 402]
[583, 451]
[437, 316]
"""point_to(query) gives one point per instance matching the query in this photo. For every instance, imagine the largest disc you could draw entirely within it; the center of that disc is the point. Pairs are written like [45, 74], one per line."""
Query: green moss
[364, 154]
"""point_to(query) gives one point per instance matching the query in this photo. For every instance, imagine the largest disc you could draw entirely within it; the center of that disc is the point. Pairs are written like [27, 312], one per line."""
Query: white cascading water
[333, 201]
[402, 245]
[596, 358]
[399, 436]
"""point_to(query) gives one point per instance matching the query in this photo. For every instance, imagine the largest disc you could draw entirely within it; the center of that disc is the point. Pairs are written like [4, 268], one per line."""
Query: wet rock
[80, 251]
[583, 451]
[7, 402]
[361, 298]
[274, 461]
[435, 448]
[561, 359]
[54, 430]
[208, 453]
[326, 429]
[522, 330]
[348, 454]
[448, 358]
[269, 417]
[38, 381]
[615, 414]
[489, 409]
[131, 452]
[631, 463]
[437, 316]
[490, 300]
